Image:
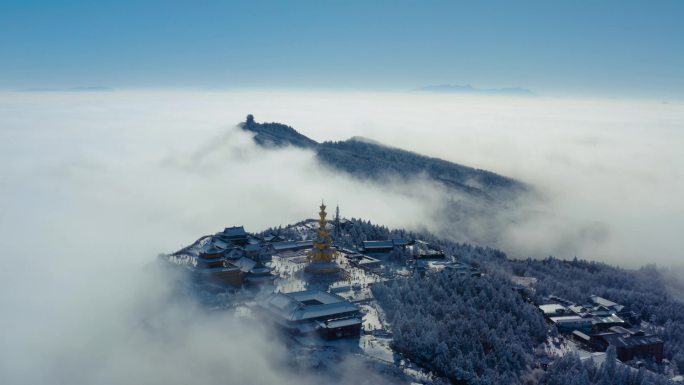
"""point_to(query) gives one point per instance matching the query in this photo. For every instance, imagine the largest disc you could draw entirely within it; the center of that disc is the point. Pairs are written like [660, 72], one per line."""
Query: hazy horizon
[611, 48]
[479, 90]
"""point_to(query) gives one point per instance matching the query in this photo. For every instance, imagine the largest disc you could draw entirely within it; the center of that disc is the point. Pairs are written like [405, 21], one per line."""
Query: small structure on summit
[322, 255]
[236, 235]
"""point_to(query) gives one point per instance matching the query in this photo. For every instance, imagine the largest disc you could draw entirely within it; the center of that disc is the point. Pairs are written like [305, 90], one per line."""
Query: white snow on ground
[598, 357]
[378, 348]
[557, 347]
[371, 318]
[288, 268]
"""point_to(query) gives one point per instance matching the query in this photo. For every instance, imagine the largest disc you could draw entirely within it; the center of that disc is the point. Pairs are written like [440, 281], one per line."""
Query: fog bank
[95, 185]
[610, 170]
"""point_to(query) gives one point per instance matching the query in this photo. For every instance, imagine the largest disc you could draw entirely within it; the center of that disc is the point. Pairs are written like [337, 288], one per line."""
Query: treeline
[470, 330]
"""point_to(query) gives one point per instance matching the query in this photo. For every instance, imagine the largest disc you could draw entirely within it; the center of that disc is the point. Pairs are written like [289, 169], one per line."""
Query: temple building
[314, 312]
[292, 246]
[212, 268]
[322, 255]
[221, 262]
[260, 275]
[236, 235]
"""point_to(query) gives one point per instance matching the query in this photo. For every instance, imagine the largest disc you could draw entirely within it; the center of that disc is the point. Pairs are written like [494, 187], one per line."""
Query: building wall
[342, 332]
[642, 351]
[325, 318]
[232, 278]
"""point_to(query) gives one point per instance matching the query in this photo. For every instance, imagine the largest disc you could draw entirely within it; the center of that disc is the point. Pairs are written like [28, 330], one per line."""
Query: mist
[608, 172]
[95, 185]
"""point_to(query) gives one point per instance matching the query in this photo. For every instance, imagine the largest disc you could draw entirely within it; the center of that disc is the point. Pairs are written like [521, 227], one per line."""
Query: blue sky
[622, 47]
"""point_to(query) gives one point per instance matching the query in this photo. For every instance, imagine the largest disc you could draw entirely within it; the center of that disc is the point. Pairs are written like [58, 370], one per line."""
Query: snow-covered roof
[581, 335]
[260, 270]
[378, 244]
[245, 264]
[343, 322]
[553, 308]
[234, 253]
[234, 232]
[366, 260]
[253, 247]
[570, 319]
[219, 269]
[400, 242]
[600, 301]
[273, 238]
[289, 245]
[621, 341]
[315, 295]
[597, 357]
[610, 319]
[308, 305]
[210, 248]
[578, 309]
[218, 242]
[622, 330]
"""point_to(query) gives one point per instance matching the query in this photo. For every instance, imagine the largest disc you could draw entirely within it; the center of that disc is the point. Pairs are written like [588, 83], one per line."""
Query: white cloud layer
[95, 185]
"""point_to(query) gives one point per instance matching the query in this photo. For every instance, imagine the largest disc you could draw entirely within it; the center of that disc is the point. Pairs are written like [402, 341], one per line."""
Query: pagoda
[322, 255]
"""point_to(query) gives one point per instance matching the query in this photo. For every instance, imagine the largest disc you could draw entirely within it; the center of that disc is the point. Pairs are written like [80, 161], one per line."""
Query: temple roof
[378, 244]
[245, 264]
[621, 341]
[253, 247]
[234, 232]
[210, 248]
[308, 305]
[292, 245]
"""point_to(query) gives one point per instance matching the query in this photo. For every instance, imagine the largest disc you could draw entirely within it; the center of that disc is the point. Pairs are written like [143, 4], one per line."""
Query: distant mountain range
[370, 160]
[69, 89]
[468, 89]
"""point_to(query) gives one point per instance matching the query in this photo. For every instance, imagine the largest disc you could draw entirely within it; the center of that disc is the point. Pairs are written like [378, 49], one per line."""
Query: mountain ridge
[468, 89]
[369, 159]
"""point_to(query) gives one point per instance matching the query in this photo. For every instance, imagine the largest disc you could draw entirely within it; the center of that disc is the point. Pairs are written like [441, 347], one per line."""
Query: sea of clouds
[95, 185]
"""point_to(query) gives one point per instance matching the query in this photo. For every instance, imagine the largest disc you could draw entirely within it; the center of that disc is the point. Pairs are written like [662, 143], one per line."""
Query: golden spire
[323, 250]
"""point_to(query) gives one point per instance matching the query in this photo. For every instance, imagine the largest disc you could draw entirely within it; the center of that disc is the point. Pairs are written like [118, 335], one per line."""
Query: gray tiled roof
[378, 244]
[619, 340]
[235, 232]
[300, 306]
[288, 245]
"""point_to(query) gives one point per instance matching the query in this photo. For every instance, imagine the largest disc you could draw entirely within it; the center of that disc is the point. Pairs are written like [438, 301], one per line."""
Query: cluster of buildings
[235, 258]
[416, 248]
[231, 257]
[600, 323]
[361, 260]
